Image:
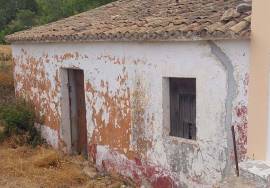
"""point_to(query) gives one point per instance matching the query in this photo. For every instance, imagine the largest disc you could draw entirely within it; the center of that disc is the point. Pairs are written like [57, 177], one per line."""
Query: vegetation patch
[19, 119]
[6, 75]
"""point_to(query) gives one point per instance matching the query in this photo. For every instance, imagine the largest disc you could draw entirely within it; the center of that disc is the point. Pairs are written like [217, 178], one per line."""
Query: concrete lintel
[257, 171]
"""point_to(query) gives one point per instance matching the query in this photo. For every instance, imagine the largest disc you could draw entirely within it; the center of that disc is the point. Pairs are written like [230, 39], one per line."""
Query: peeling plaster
[239, 113]
[124, 104]
[50, 135]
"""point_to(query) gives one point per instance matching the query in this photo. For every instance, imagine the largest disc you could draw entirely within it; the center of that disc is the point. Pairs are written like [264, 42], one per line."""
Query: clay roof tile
[159, 20]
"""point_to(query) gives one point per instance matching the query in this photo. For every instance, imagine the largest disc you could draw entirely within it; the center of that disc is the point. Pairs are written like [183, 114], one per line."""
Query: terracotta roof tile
[153, 20]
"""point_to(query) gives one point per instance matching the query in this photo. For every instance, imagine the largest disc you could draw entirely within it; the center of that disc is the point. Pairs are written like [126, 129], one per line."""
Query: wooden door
[77, 111]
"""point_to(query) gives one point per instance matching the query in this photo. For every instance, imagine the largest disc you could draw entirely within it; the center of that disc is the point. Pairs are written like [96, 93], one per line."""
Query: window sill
[179, 140]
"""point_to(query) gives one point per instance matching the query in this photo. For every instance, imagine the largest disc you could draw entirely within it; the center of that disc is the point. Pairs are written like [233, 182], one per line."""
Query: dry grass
[23, 166]
[5, 53]
[6, 75]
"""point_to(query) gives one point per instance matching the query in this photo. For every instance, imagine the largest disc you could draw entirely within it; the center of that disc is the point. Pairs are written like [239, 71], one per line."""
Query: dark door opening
[77, 111]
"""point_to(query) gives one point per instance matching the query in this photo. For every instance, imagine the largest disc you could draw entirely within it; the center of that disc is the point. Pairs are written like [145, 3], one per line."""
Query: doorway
[74, 111]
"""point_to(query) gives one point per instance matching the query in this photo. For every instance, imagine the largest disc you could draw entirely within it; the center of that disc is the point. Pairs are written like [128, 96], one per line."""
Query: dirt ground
[42, 167]
[236, 182]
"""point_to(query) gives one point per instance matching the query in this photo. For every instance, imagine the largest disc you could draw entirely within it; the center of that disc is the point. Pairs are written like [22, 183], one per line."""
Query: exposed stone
[115, 185]
[91, 172]
[229, 14]
[257, 171]
[236, 182]
[243, 7]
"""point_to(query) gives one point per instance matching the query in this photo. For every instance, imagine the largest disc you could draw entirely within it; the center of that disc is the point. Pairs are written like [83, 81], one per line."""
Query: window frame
[186, 88]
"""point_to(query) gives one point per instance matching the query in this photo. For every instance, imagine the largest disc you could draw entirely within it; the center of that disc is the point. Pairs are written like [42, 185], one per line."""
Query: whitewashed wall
[175, 161]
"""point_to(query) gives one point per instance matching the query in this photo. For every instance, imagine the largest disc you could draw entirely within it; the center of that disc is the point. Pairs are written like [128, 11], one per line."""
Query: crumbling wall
[124, 91]
[240, 58]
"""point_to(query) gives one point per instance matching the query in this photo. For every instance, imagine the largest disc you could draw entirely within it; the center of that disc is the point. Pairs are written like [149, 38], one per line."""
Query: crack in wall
[231, 94]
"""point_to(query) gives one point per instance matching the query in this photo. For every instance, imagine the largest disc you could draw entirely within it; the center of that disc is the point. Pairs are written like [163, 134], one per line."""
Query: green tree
[52, 10]
[24, 19]
[9, 9]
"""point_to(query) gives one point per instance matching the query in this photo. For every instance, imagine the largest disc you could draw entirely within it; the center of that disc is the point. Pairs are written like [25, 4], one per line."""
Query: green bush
[19, 119]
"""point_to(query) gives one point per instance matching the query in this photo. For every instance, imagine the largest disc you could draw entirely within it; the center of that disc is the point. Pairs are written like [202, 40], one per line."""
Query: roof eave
[85, 40]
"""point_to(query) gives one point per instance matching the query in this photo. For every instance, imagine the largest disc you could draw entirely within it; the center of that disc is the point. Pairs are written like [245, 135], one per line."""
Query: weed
[6, 76]
[5, 53]
[19, 119]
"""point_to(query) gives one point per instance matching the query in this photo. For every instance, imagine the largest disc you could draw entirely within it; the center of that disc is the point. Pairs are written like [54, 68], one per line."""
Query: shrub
[19, 119]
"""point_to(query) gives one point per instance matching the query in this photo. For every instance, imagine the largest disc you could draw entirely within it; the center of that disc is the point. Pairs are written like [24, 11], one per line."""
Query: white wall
[193, 163]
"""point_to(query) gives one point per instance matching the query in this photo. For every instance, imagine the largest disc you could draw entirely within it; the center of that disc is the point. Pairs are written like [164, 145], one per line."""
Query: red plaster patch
[137, 170]
[92, 149]
[162, 182]
[241, 130]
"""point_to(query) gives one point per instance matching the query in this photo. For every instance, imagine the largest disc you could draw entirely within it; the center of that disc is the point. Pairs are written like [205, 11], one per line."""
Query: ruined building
[145, 88]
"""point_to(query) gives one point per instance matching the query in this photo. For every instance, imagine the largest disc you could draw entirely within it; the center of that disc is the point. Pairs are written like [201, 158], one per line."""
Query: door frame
[66, 130]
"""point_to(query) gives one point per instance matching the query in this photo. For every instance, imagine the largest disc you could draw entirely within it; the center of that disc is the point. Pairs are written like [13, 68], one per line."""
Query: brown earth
[236, 182]
[26, 167]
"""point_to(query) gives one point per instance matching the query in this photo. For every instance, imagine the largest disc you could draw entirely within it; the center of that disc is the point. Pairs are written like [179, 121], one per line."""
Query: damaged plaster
[231, 94]
[124, 94]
